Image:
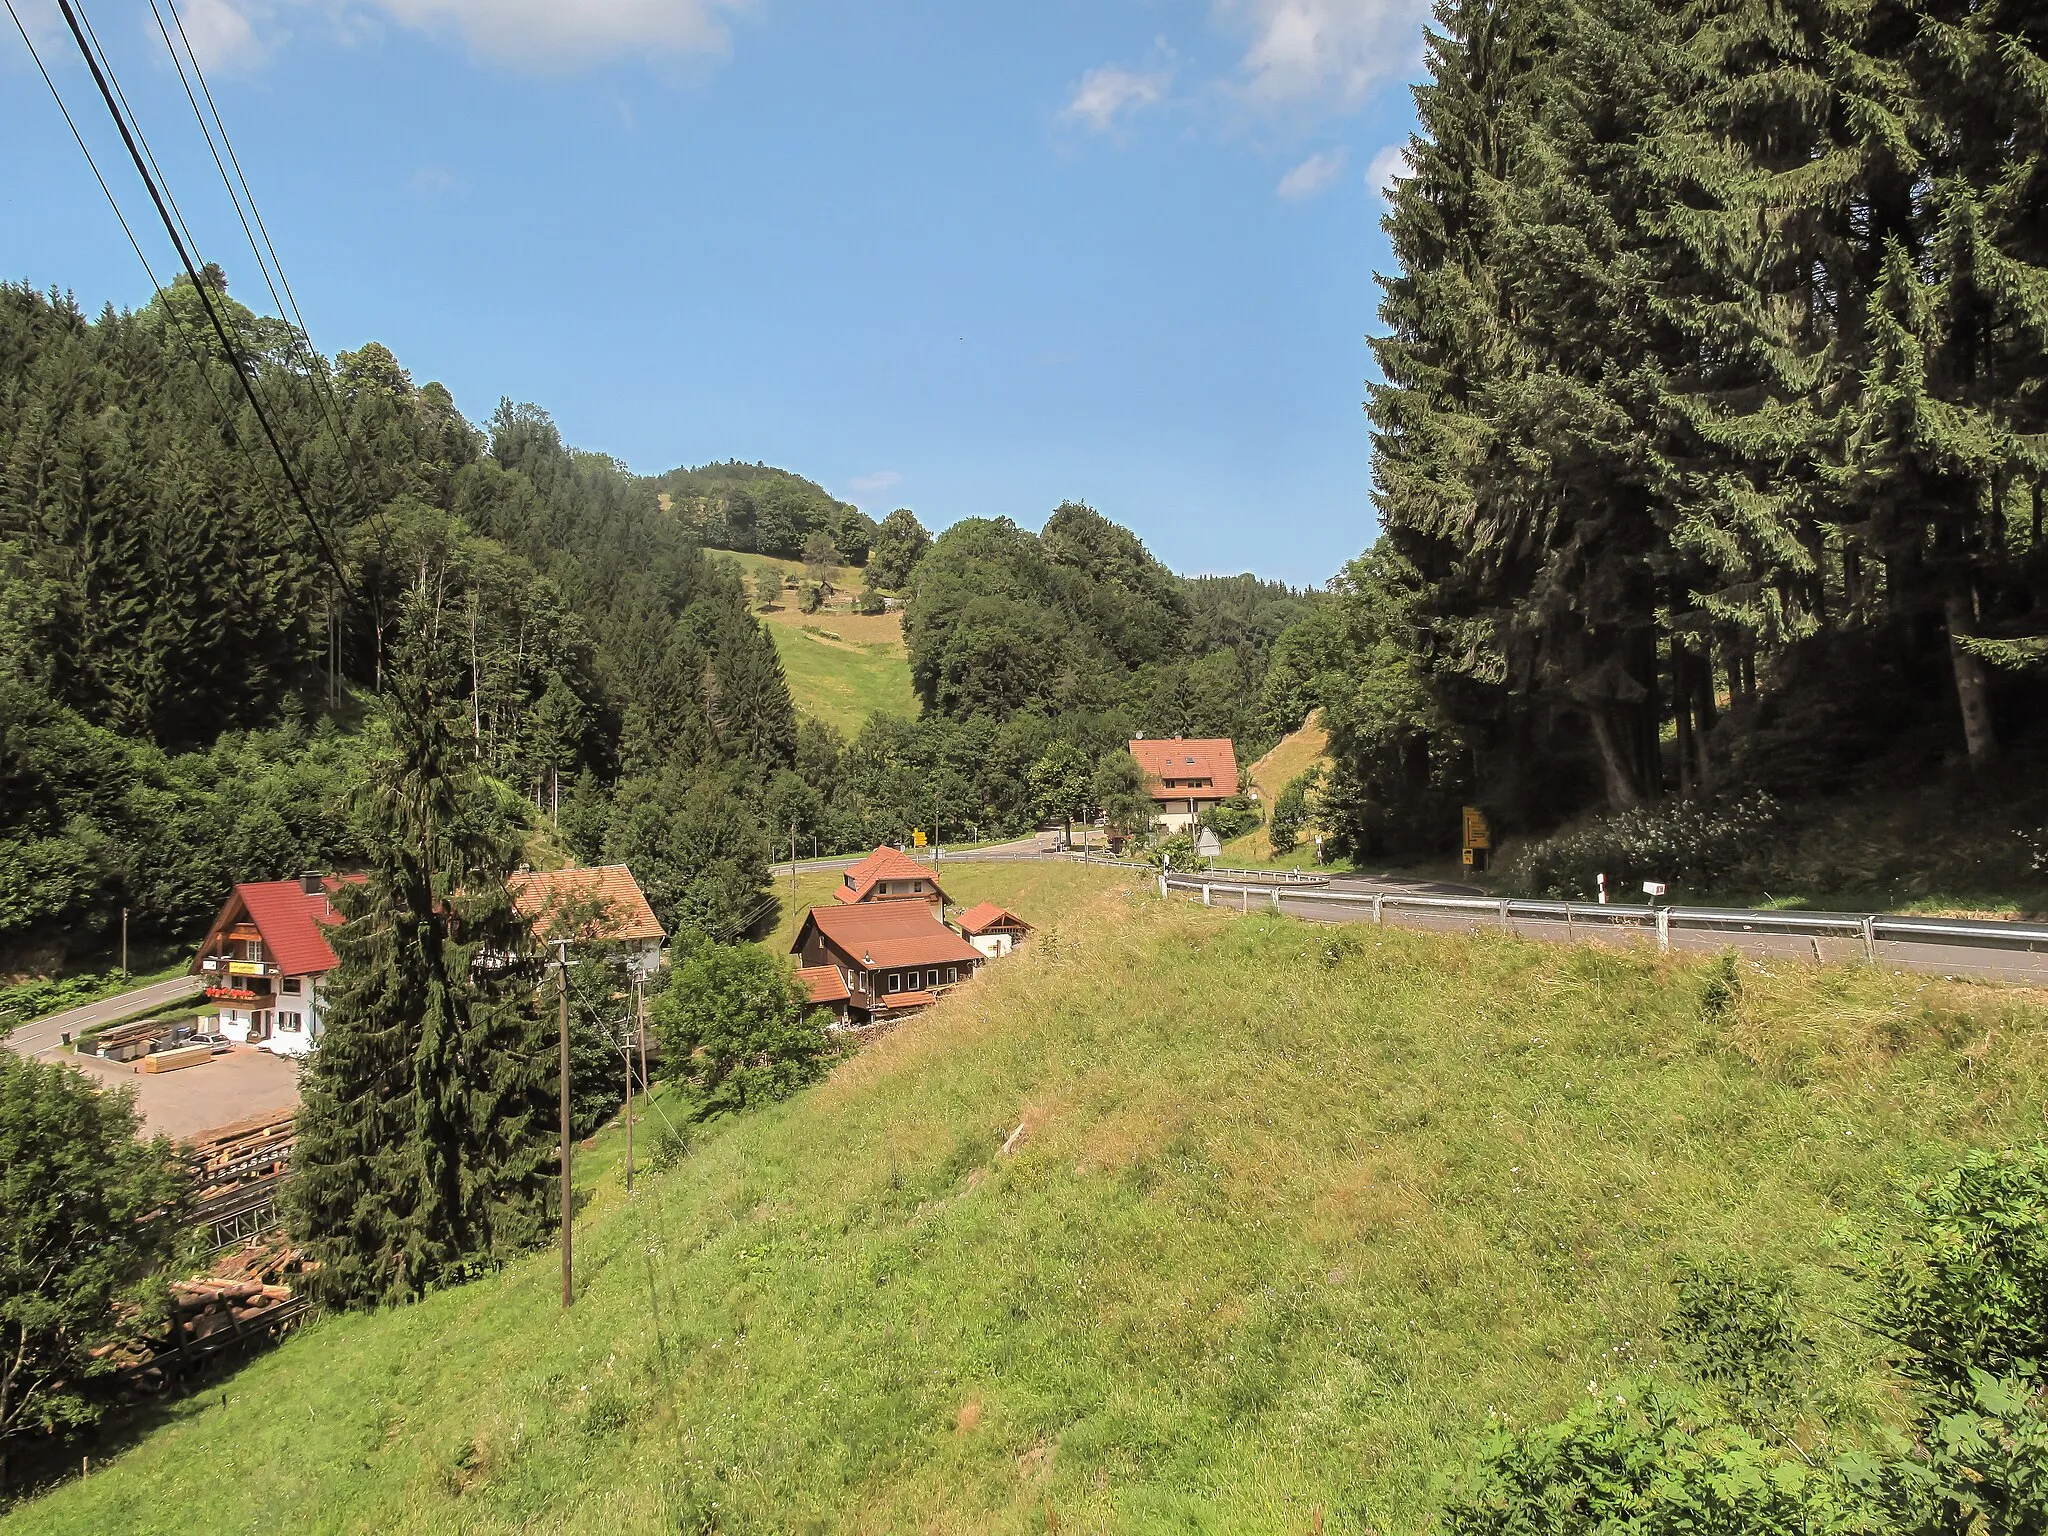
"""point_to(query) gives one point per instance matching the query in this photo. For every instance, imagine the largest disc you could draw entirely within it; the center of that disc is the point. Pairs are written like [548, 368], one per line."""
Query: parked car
[219, 1042]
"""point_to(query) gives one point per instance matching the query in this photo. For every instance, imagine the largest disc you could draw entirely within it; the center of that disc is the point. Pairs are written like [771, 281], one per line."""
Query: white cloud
[561, 34]
[223, 34]
[1105, 93]
[1329, 51]
[880, 480]
[1314, 173]
[1389, 164]
[432, 181]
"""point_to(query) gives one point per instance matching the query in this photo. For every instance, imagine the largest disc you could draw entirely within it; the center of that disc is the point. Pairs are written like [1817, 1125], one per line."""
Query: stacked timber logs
[237, 1172]
[246, 1300]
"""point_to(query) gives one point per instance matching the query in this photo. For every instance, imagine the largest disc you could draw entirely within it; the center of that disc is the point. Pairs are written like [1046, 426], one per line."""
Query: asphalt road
[2027, 965]
[46, 1034]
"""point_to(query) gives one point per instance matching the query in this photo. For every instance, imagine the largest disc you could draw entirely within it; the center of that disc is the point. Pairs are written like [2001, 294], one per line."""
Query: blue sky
[972, 259]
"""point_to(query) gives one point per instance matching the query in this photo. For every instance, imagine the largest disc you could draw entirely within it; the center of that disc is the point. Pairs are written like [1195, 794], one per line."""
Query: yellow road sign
[1476, 831]
[917, 839]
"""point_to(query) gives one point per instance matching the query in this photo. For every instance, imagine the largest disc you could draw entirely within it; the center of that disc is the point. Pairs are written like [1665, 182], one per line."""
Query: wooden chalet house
[993, 930]
[264, 960]
[1187, 776]
[885, 958]
[890, 874]
[604, 905]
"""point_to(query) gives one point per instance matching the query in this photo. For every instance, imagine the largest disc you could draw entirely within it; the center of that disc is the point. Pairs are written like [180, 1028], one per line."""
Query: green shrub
[1696, 843]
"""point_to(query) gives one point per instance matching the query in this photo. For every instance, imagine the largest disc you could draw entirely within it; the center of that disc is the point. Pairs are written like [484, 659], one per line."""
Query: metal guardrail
[1260, 877]
[1870, 927]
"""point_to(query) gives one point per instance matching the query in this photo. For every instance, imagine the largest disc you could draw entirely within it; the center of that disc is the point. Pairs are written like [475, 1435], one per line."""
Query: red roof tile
[825, 983]
[895, 1001]
[1186, 758]
[986, 916]
[879, 934]
[289, 920]
[618, 907]
[886, 863]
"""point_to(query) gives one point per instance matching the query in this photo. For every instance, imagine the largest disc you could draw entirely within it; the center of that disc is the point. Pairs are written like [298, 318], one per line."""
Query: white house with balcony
[265, 959]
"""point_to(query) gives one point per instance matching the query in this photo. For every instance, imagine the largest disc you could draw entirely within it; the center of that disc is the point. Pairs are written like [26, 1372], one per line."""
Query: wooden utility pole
[124, 941]
[568, 1211]
[629, 1086]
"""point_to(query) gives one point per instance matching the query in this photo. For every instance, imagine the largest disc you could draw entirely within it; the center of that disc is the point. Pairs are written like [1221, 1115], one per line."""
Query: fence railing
[1870, 928]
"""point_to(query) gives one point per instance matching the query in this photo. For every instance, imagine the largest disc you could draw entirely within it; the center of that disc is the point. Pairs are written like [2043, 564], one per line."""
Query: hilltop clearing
[842, 667]
[1175, 1221]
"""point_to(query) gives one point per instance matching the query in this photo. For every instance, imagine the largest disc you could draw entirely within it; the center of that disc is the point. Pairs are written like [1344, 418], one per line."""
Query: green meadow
[1176, 1221]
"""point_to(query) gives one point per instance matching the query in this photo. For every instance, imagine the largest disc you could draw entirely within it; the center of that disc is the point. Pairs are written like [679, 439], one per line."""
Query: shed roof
[879, 934]
[604, 904]
[1183, 758]
[885, 863]
[987, 916]
[900, 1000]
[824, 983]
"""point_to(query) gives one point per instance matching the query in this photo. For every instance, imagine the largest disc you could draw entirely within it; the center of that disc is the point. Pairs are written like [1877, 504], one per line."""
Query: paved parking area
[232, 1087]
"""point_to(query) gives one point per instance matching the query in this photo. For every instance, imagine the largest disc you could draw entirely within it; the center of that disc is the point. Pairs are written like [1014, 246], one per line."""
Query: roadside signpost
[1478, 838]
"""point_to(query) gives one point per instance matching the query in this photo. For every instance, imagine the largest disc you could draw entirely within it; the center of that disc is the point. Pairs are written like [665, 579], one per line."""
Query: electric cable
[55, 96]
[295, 322]
[205, 378]
[171, 227]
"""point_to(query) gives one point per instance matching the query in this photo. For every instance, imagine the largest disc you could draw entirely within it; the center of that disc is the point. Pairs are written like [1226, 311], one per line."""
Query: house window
[290, 1023]
[931, 977]
[895, 981]
[291, 985]
[952, 974]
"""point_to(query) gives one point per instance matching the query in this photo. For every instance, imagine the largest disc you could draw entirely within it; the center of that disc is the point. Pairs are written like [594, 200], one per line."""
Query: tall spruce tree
[427, 1120]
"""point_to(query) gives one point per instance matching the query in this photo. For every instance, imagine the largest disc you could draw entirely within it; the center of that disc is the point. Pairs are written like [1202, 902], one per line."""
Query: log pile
[249, 1298]
[237, 1173]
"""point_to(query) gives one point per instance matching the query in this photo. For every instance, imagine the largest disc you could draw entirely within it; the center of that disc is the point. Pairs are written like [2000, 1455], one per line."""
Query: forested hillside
[1710, 444]
[181, 650]
[757, 509]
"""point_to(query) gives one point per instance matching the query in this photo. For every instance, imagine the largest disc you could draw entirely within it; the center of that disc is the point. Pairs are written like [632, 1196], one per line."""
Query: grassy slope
[1038, 893]
[1294, 755]
[1297, 1210]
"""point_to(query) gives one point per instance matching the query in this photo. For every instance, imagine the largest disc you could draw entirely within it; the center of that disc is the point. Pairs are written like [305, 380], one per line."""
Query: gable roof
[986, 916]
[824, 983]
[616, 906]
[885, 863]
[879, 934]
[1177, 757]
[290, 919]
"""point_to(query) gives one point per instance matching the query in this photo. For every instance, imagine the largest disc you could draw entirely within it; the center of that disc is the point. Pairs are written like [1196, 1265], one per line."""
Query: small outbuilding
[993, 930]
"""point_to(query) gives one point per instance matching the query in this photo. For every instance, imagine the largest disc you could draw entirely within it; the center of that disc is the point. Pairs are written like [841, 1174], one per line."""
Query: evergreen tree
[427, 1120]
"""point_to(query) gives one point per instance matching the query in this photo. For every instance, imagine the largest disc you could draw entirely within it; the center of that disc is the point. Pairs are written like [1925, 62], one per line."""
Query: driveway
[242, 1083]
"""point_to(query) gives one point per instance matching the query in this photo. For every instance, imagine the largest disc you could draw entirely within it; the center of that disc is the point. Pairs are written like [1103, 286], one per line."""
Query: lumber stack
[247, 1299]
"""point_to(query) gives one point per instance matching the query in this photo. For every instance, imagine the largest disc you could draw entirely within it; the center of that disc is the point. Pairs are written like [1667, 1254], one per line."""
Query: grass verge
[1293, 1213]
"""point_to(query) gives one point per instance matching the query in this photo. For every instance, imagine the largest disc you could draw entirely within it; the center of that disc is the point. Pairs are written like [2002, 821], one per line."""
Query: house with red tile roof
[264, 958]
[893, 956]
[1188, 775]
[890, 874]
[604, 905]
[993, 930]
[827, 987]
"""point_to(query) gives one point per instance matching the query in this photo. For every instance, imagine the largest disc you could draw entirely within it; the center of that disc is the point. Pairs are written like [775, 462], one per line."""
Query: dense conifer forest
[1709, 447]
[182, 663]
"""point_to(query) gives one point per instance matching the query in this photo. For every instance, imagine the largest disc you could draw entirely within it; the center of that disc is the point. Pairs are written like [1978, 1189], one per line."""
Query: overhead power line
[56, 96]
[220, 329]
